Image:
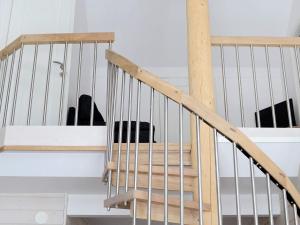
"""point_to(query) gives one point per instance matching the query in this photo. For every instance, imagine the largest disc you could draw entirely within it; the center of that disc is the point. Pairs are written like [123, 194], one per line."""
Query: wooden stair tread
[156, 198]
[159, 147]
[172, 170]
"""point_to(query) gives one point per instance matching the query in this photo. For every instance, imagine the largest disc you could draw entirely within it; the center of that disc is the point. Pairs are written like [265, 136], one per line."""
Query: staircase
[160, 181]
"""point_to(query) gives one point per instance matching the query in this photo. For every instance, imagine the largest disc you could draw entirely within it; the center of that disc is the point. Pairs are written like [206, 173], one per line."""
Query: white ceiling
[153, 33]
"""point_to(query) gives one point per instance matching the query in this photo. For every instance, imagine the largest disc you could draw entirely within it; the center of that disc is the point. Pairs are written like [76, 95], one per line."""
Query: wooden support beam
[201, 89]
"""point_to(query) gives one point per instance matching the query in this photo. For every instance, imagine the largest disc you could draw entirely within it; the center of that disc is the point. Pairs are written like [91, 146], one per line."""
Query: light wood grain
[201, 88]
[191, 211]
[256, 41]
[157, 177]
[210, 118]
[30, 39]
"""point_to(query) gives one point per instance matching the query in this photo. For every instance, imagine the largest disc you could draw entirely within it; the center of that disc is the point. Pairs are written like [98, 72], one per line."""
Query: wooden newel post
[201, 88]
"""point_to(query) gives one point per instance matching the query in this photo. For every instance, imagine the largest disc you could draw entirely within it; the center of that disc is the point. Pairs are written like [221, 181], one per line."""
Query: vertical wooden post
[201, 88]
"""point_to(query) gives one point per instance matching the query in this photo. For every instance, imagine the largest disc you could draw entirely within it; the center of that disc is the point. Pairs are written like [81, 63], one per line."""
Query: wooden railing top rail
[28, 39]
[209, 117]
[256, 41]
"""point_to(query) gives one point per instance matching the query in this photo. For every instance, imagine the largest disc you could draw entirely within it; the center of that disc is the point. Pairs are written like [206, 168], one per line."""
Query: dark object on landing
[84, 116]
[144, 136]
[84, 113]
[281, 115]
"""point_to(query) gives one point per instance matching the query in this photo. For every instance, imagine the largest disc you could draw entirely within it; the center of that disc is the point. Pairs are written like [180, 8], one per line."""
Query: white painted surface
[55, 135]
[33, 209]
[34, 16]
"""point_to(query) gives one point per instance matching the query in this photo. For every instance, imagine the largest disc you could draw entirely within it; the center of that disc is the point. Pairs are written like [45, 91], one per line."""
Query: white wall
[162, 25]
[35, 17]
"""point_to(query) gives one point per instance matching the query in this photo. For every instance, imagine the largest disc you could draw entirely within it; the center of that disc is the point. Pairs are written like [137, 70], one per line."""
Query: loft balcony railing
[34, 90]
[166, 183]
[257, 80]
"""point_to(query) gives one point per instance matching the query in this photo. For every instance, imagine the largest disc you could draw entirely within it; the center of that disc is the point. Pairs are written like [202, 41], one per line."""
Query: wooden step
[158, 153]
[191, 212]
[157, 177]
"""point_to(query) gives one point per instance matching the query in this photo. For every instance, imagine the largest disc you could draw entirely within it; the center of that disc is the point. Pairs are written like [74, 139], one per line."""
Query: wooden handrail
[256, 41]
[209, 117]
[28, 39]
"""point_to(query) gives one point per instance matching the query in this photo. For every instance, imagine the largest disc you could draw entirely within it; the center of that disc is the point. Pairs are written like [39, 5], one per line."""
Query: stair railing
[26, 68]
[132, 89]
[266, 68]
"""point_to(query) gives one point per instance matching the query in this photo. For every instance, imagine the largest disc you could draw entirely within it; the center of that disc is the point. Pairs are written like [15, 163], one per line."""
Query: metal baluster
[297, 62]
[224, 82]
[94, 82]
[253, 191]
[218, 177]
[62, 88]
[128, 133]
[137, 136]
[255, 85]
[166, 163]
[286, 87]
[12, 118]
[112, 122]
[2, 63]
[286, 213]
[181, 165]
[270, 85]
[8, 88]
[236, 178]
[32, 84]
[47, 84]
[108, 107]
[78, 83]
[240, 85]
[4, 80]
[150, 156]
[269, 199]
[200, 205]
[295, 214]
[120, 132]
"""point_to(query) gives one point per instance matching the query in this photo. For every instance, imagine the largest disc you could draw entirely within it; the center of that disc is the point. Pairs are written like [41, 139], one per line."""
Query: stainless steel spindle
[224, 82]
[286, 213]
[297, 62]
[236, 179]
[269, 199]
[94, 82]
[150, 157]
[181, 165]
[255, 85]
[218, 177]
[166, 161]
[238, 65]
[47, 84]
[253, 191]
[128, 133]
[113, 117]
[62, 88]
[78, 82]
[295, 214]
[8, 88]
[12, 118]
[285, 86]
[108, 107]
[137, 138]
[3, 80]
[120, 132]
[200, 205]
[32, 84]
[270, 85]
[2, 62]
